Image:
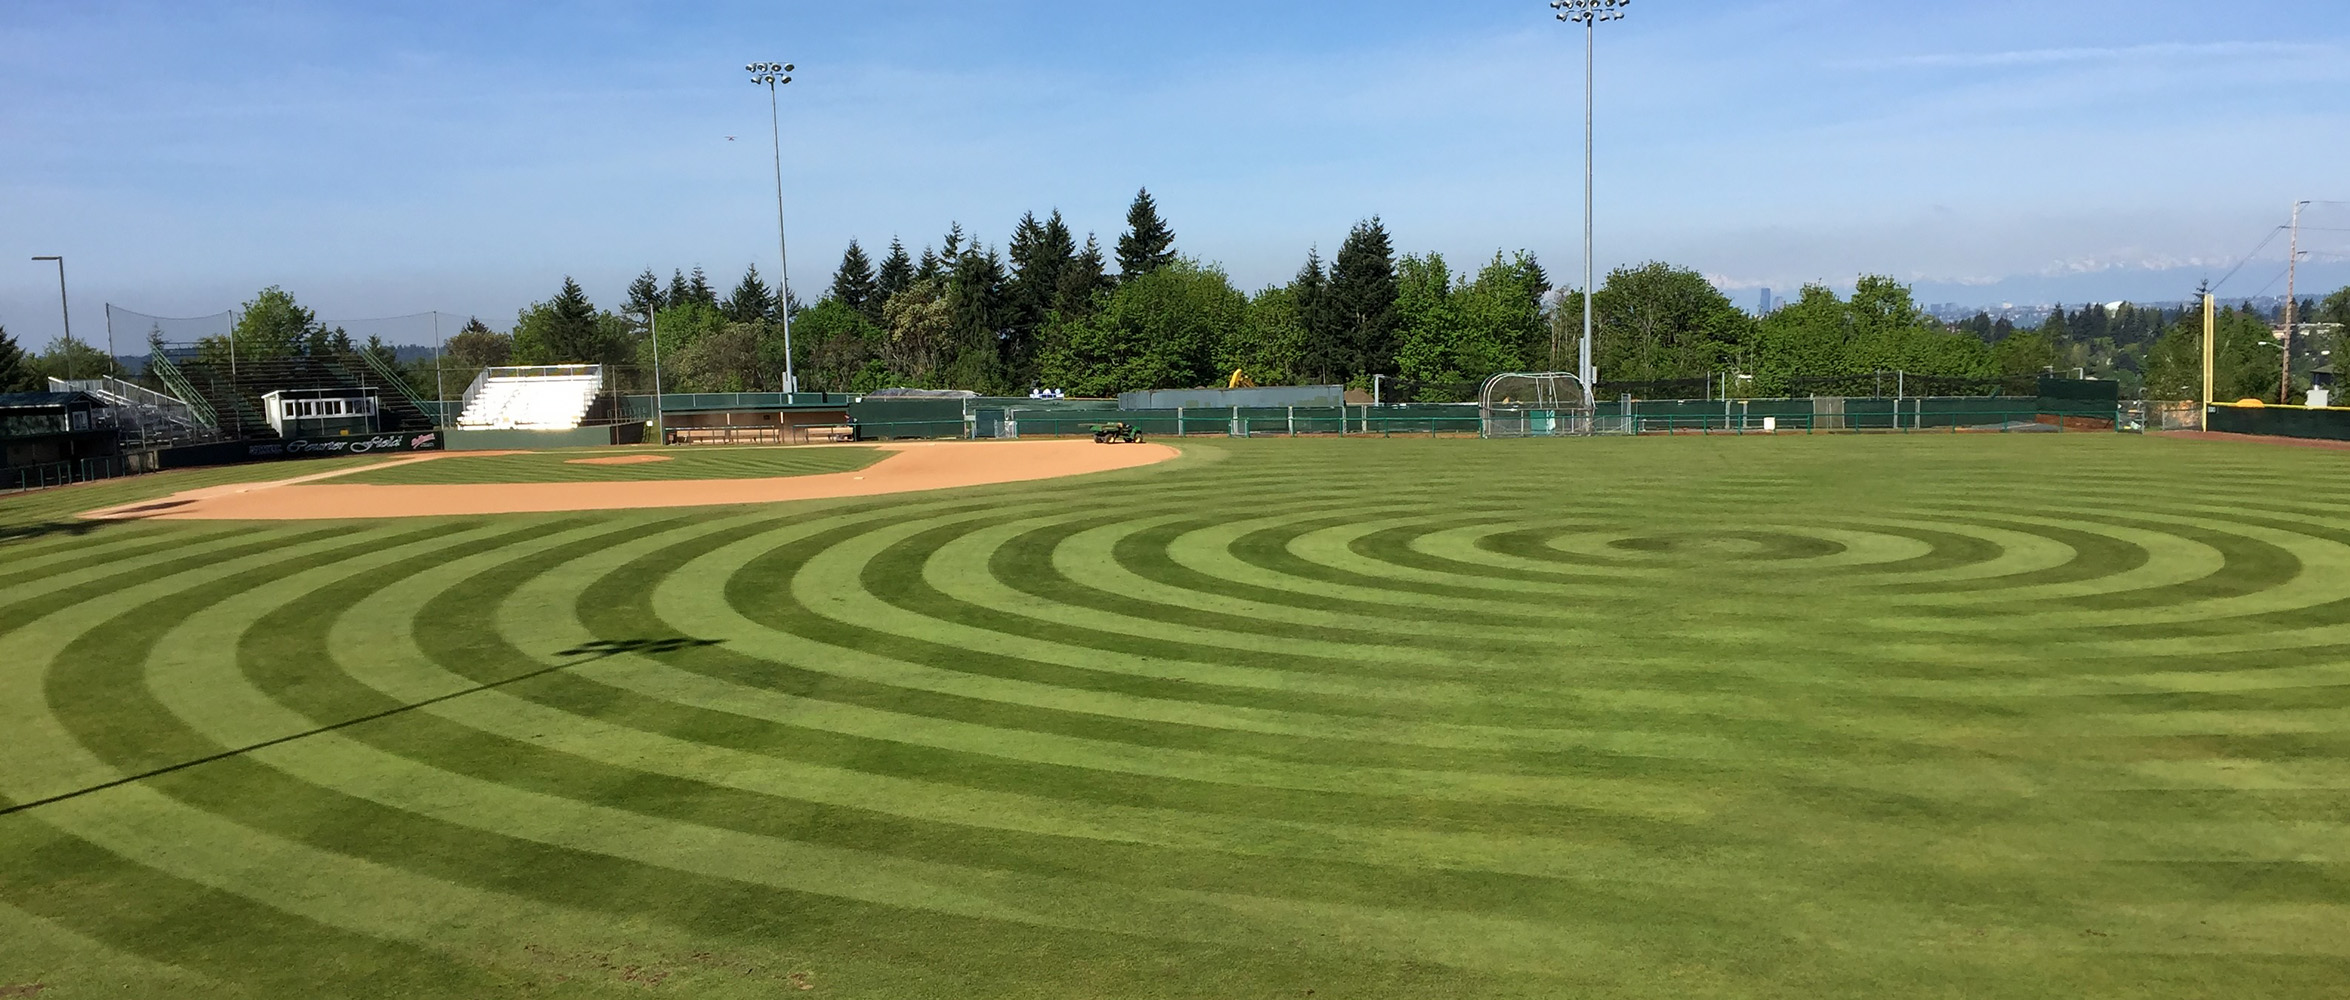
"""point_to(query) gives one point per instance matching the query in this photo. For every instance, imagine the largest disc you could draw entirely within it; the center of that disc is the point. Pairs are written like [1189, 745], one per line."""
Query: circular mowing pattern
[1275, 717]
[1738, 546]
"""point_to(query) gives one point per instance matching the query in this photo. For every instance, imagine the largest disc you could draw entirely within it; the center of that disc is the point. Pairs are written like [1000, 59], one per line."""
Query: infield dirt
[913, 467]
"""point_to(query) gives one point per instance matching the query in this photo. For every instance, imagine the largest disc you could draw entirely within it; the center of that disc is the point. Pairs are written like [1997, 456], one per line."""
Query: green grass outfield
[2026, 716]
[701, 462]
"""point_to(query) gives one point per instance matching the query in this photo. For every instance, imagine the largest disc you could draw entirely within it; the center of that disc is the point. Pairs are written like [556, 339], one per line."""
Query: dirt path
[913, 467]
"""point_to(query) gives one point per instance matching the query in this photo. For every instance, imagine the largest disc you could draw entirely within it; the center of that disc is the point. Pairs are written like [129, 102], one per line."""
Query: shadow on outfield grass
[602, 648]
[27, 532]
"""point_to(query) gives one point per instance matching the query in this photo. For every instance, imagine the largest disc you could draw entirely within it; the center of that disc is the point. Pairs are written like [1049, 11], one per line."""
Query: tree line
[1048, 310]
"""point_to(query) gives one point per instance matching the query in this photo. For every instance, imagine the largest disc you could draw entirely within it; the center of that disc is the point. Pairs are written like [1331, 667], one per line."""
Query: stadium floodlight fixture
[1588, 13]
[66, 311]
[774, 75]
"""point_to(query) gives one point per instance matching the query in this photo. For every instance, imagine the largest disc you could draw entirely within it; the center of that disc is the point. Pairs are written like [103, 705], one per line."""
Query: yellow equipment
[1240, 380]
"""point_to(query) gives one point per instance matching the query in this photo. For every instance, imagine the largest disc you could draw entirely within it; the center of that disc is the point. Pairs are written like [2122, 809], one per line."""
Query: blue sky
[388, 159]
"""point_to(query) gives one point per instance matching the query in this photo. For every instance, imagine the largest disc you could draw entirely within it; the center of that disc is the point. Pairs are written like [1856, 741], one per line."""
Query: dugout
[41, 428]
[748, 417]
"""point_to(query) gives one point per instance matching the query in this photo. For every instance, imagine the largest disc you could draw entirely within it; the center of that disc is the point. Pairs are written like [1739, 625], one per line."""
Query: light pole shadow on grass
[604, 648]
[588, 653]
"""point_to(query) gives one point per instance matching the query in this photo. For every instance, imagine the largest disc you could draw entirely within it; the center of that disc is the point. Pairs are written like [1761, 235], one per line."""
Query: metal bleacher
[547, 397]
[145, 418]
[231, 394]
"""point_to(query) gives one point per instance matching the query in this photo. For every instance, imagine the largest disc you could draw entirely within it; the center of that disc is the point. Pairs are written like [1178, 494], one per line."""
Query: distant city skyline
[465, 157]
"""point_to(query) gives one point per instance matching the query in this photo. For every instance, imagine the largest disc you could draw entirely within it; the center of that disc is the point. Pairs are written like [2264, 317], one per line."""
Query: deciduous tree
[1659, 322]
[477, 346]
[272, 325]
[1160, 330]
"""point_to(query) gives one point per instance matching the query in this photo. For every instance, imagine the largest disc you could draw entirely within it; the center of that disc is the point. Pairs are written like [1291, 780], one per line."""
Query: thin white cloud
[2092, 54]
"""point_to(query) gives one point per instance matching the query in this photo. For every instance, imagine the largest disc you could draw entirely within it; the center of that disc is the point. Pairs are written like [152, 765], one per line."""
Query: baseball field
[1947, 716]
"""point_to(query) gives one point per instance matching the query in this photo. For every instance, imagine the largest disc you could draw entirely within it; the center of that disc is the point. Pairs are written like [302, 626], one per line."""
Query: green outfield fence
[2311, 423]
[949, 418]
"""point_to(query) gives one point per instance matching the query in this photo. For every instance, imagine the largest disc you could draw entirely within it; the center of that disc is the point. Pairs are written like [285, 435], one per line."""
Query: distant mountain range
[2255, 280]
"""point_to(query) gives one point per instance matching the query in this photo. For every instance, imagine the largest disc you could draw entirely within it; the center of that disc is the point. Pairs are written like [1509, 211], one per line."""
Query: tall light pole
[2292, 266]
[1588, 13]
[660, 424]
[775, 75]
[67, 311]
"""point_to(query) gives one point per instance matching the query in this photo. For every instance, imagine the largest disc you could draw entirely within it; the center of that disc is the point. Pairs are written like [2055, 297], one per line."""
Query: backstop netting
[1533, 404]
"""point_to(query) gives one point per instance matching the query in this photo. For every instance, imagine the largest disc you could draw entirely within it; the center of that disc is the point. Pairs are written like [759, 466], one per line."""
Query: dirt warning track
[911, 468]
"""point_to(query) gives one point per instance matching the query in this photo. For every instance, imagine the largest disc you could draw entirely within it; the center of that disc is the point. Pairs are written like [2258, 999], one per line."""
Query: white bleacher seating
[549, 398]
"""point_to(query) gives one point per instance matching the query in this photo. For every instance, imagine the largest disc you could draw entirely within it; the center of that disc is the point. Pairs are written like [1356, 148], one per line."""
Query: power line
[2247, 258]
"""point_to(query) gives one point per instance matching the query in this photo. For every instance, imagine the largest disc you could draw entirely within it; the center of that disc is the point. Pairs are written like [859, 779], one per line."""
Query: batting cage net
[1533, 404]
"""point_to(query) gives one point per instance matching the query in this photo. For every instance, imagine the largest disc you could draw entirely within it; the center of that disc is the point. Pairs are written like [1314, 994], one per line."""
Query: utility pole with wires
[2292, 269]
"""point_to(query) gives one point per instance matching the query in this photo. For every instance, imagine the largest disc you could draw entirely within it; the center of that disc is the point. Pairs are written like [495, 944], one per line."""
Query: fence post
[1293, 421]
[1178, 421]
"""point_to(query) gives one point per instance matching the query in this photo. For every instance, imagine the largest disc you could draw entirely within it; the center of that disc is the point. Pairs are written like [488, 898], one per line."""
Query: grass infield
[2032, 716]
[567, 467]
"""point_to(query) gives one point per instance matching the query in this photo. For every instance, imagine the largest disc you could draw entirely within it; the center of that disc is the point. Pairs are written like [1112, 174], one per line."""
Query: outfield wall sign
[233, 452]
[366, 444]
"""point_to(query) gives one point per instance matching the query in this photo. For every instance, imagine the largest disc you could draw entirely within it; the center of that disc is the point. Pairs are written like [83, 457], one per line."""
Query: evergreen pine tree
[1148, 244]
[1362, 295]
[1322, 355]
[853, 284]
[897, 271]
[1059, 245]
[975, 294]
[1041, 253]
[953, 245]
[928, 268]
[2058, 326]
[751, 302]
[1027, 244]
[698, 289]
[16, 372]
[679, 292]
[1081, 280]
[644, 295]
[571, 332]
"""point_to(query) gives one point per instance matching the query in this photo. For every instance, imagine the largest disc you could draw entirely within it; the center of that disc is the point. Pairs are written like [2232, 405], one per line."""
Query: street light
[67, 311]
[775, 75]
[1588, 13]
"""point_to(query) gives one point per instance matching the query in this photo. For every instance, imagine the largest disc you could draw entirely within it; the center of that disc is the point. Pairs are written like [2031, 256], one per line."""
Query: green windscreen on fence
[946, 418]
[2282, 421]
[907, 417]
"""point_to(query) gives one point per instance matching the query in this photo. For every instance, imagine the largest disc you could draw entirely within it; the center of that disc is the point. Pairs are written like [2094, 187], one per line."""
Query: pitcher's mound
[617, 460]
